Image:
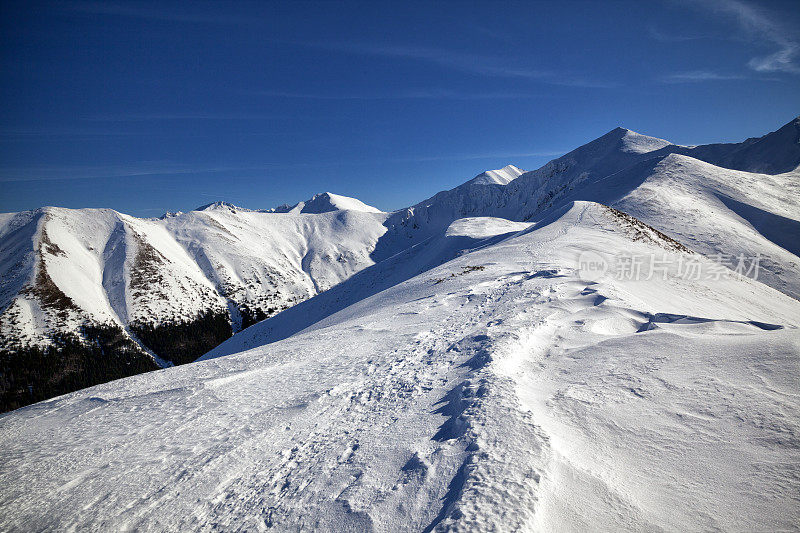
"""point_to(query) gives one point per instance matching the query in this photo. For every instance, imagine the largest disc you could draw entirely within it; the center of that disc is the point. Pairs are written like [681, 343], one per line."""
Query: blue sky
[150, 107]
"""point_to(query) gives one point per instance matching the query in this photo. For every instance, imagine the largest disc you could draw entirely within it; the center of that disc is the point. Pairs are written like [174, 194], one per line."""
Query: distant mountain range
[89, 295]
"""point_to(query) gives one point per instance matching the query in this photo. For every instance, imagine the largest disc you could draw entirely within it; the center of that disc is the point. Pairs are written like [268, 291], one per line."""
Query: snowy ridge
[642, 144]
[513, 394]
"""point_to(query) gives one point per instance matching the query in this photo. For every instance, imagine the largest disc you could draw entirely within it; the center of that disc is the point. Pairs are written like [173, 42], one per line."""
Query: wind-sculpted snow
[512, 395]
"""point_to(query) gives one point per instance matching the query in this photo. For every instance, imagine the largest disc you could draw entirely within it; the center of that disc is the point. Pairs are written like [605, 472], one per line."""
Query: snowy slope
[499, 390]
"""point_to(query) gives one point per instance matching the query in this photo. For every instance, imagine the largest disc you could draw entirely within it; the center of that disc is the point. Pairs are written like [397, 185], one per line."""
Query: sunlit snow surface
[498, 391]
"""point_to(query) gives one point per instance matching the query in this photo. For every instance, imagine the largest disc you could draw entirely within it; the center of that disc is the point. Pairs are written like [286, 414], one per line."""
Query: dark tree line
[29, 374]
[183, 342]
[254, 315]
[100, 353]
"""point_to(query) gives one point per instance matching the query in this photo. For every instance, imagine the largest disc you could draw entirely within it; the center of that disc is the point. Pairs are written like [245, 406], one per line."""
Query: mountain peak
[641, 144]
[220, 205]
[631, 141]
[502, 176]
[326, 202]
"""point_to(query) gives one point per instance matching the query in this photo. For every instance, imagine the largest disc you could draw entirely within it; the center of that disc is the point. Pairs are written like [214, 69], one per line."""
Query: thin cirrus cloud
[113, 171]
[166, 168]
[82, 133]
[148, 117]
[470, 157]
[407, 95]
[763, 27]
[758, 26]
[673, 37]
[469, 63]
[196, 12]
[695, 76]
[463, 62]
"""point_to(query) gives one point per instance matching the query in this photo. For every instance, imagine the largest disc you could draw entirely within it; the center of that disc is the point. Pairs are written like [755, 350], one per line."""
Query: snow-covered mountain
[686, 192]
[498, 391]
[164, 291]
[87, 288]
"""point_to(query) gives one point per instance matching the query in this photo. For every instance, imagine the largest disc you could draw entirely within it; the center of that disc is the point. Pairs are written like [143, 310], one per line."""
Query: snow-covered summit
[221, 206]
[502, 176]
[326, 202]
[775, 153]
[641, 144]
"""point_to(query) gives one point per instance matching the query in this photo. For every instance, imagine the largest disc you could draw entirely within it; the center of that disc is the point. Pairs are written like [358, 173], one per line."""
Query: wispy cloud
[60, 132]
[168, 169]
[155, 117]
[211, 13]
[469, 157]
[194, 12]
[492, 66]
[426, 94]
[763, 27]
[672, 36]
[130, 170]
[695, 76]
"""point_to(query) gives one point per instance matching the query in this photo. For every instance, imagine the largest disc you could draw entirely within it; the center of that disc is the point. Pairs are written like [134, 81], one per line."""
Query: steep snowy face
[494, 194]
[725, 214]
[325, 203]
[265, 262]
[113, 268]
[431, 217]
[490, 392]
